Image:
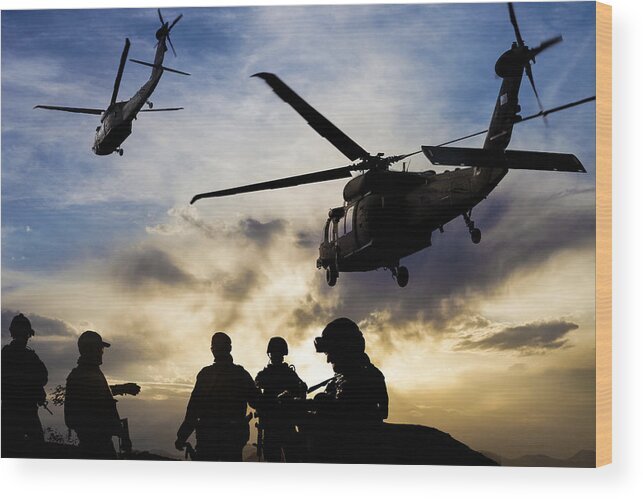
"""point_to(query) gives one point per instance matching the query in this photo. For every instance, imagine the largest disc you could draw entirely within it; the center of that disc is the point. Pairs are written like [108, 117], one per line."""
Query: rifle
[259, 444]
[319, 385]
[189, 452]
[124, 441]
[44, 406]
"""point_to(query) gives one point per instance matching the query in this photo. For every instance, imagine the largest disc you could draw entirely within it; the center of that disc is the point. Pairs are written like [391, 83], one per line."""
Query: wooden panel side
[603, 234]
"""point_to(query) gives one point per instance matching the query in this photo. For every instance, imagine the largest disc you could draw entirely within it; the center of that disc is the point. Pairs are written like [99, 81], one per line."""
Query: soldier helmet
[91, 340]
[277, 345]
[340, 335]
[221, 343]
[20, 324]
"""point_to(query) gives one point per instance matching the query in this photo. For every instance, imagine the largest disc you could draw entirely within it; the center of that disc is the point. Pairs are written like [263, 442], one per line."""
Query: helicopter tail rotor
[165, 29]
[528, 55]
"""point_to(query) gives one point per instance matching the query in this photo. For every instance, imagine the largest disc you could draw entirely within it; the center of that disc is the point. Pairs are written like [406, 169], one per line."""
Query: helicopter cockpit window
[348, 220]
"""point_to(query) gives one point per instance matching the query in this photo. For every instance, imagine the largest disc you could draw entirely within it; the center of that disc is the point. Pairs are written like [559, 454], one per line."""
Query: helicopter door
[346, 241]
[348, 220]
[460, 188]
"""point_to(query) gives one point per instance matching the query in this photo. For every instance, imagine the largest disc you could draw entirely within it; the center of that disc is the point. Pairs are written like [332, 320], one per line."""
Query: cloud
[137, 350]
[261, 232]
[236, 286]
[308, 313]
[150, 267]
[251, 229]
[182, 218]
[43, 326]
[534, 337]
[307, 239]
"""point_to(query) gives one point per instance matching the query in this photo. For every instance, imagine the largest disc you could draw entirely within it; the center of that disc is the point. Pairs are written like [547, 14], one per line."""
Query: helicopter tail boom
[494, 158]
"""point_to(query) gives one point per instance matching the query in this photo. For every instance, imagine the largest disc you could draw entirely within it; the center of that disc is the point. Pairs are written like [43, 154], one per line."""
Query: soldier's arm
[125, 389]
[259, 380]
[357, 398]
[71, 404]
[253, 393]
[37, 372]
[301, 386]
[192, 411]
[43, 374]
[350, 400]
[384, 400]
[294, 386]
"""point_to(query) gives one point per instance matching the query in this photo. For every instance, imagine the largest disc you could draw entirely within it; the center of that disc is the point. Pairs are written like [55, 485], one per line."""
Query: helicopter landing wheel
[401, 276]
[120, 151]
[331, 276]
[475, 233]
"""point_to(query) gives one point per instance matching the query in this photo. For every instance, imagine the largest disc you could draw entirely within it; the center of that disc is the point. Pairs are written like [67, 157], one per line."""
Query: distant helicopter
[388, 215]
[116, 120]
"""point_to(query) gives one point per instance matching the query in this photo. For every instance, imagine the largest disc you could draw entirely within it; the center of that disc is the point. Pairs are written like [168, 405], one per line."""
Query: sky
[492, 343]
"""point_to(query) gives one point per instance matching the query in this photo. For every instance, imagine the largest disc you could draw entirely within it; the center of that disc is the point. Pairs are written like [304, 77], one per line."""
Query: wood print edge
[603, 234]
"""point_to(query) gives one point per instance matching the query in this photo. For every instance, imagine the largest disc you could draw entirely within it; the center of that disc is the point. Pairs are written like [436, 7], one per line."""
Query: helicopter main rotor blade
[545, 45]
[81, 110]
[119, 75]
[546, 112]
[161, 109]
[174, 22]
[171, 45]
[530, 75]
[514, 22]
[314, 118]
[307, 178]
[169, 28]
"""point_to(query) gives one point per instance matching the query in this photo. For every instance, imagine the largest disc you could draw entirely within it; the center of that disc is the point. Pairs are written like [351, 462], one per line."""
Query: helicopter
[116, 120]
[389, 214]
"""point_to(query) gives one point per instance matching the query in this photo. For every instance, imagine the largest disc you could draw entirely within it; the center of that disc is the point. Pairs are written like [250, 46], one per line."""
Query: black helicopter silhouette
[388, 215]
[116, 120]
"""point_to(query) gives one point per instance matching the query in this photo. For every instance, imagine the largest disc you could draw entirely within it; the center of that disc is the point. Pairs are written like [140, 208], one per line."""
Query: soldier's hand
[285, 395]
[126, 445]
[180, 444]
[131, 389]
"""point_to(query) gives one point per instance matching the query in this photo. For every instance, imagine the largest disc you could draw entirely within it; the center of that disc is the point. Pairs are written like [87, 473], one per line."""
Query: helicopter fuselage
[112, 131]
[116, 122]
[389, 215]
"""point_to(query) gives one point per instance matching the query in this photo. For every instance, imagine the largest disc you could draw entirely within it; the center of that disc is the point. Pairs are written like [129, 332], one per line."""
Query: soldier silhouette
[276, 425]
[90, 408]
[349, 413]
[24, 377]
[217, 407]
